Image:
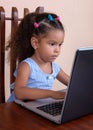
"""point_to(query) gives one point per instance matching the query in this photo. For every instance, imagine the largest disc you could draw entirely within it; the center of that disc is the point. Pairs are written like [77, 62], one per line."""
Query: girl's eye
[60, 44]
[52, 44]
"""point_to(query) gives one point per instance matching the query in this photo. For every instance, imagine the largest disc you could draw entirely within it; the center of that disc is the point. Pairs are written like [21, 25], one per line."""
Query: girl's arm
[63, 77]
[23, 92]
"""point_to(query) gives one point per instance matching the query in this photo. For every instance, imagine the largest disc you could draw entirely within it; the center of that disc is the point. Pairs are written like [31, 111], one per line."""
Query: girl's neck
[45, 66]
[38, 60]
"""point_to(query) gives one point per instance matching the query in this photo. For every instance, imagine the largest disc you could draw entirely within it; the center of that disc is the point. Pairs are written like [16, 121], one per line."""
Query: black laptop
[78, 101]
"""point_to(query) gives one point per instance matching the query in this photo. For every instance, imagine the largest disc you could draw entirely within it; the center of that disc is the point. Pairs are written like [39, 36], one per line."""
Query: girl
[36, 44]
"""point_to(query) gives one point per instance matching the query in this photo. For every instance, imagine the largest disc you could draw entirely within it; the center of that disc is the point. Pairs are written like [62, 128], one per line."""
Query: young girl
[36, 44]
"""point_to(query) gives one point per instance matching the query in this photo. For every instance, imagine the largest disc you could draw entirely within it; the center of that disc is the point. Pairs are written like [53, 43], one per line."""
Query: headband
[50, 18]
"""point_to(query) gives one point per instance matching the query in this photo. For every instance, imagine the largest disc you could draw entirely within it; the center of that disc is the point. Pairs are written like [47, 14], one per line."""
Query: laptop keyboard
[53, 108]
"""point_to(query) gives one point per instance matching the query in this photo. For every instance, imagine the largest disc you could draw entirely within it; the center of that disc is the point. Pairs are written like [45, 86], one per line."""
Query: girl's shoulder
[55, 65]
[29, 61]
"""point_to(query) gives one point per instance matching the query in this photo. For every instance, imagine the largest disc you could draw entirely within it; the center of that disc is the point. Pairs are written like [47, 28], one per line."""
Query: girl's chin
[52, 60]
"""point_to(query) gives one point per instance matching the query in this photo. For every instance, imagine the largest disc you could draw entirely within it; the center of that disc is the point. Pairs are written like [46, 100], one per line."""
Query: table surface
[15, 117]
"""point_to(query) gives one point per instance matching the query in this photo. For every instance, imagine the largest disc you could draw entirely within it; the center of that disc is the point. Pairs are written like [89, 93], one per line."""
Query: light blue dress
[37, 78]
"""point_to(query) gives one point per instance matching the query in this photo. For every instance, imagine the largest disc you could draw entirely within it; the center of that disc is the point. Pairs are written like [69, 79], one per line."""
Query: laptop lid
[78, 100]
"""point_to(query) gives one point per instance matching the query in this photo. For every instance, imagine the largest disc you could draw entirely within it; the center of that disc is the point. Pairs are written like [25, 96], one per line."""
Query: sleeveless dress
[37, 78]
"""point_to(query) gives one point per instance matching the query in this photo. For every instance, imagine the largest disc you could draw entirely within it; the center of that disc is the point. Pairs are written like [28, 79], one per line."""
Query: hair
[20, 43]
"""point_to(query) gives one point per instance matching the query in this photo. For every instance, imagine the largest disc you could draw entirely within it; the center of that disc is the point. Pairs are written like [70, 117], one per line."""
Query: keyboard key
[53, 108]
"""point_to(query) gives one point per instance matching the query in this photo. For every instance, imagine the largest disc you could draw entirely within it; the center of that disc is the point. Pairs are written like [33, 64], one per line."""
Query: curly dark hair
[20, 43]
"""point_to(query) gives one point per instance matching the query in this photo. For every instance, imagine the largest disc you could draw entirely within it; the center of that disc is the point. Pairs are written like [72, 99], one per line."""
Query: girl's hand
[58, 95]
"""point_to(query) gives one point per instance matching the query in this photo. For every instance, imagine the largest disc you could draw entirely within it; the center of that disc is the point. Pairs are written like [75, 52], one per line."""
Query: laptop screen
[79, 100]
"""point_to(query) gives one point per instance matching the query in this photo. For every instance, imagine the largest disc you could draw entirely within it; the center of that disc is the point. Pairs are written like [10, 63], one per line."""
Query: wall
[77, 17]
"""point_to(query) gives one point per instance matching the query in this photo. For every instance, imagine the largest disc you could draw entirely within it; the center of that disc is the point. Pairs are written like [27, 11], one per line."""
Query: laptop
[78, 100]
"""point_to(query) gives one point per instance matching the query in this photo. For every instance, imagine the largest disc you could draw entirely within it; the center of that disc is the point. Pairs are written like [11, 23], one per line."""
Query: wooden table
[15, 117]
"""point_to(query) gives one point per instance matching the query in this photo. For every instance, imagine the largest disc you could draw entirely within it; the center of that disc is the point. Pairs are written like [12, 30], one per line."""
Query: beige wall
[77, 17]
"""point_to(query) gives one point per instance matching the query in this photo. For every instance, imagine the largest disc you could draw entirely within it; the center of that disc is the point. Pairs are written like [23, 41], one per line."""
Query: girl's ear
[34, 42]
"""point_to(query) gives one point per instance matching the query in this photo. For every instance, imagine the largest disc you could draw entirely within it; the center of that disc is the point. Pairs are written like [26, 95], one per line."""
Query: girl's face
[49, 47]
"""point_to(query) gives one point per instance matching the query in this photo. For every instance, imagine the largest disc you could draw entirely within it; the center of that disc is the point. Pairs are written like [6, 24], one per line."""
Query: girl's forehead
[55, 35]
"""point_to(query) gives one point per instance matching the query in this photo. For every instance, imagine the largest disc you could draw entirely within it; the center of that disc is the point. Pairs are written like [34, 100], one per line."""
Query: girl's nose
[57, 49]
